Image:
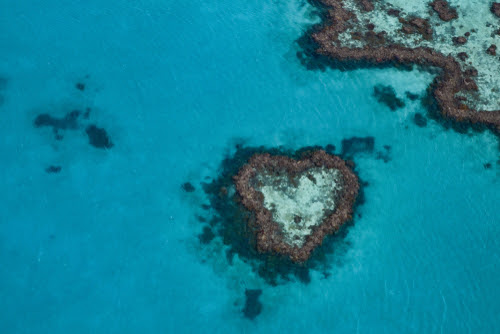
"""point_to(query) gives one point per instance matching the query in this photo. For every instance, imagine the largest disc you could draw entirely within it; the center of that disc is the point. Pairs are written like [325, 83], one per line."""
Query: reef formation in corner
[431, 35]
[296, 203]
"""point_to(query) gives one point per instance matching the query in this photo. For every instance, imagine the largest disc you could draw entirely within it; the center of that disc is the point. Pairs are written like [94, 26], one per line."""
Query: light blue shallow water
[109, 245]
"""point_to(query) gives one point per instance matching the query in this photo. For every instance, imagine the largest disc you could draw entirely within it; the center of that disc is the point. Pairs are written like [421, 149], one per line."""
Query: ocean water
[110, 243]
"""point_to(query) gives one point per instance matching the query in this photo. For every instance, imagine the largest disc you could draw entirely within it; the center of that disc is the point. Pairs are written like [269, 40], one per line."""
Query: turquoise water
[109, 244]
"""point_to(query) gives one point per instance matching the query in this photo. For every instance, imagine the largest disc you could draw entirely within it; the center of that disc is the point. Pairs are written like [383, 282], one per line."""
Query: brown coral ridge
[269, 236]
[444, 10]
[447, 84]
[495, 8]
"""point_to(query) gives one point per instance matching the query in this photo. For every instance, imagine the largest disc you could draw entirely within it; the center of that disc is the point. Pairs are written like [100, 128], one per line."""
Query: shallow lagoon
[109, 244]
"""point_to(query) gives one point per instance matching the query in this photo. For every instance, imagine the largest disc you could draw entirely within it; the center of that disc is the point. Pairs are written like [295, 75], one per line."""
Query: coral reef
[296, 203]
[495, 8]
[343, 37]
[444, 10]
[228, 228]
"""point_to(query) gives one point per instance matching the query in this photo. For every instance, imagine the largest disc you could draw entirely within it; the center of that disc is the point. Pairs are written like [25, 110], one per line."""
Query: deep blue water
[109, 244]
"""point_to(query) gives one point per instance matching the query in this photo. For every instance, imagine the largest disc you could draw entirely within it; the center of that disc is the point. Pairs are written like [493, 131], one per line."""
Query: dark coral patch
[420, 120]
[444, 10]
[463, 56]
[53, 169]
[330, 149]
[411, 96]
[393, 12]
[188, 187]
[495, 8]
[387, 95]
[355, 145]
[460, 40]
[80, 86]
[98, 137]
[384, 155]
[69, 121]
[366, 5]
[3, 83]
[206, 236]
[86, 114]
[253, 307]
[417, 25]
[492, 50]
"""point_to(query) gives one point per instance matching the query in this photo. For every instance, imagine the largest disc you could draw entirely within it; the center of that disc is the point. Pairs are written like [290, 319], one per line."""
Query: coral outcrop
[444, 10]
[296, 203]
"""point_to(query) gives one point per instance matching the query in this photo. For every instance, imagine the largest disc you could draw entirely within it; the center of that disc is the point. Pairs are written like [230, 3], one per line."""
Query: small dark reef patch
[188, 187]
[53, 169]
[387, 95]
[67, 122]
[98, 137]
[420, 120]
[80, 86]
[253, 306]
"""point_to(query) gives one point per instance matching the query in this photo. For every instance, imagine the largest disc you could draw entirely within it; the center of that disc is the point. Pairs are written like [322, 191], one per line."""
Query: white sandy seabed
[310, 200]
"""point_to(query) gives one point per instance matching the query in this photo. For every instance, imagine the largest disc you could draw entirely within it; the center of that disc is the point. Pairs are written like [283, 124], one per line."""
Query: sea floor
[109, 243]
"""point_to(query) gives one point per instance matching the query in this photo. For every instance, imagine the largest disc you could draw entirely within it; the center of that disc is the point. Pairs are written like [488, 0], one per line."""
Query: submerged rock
[355, 145]
[207, 235]
[463, 56]
[417, 25]
[80, 86]
[387, 96]
[366, 5]
[461, 40]
[420, 120]
[444, 10]
[69, 121]
[53, 169]
[495, 8]
[98, 137]
[412, 96]
[492, 50]
[253, 307]
[296, 202]
[188, 187]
